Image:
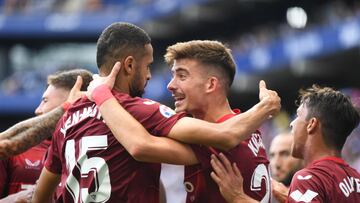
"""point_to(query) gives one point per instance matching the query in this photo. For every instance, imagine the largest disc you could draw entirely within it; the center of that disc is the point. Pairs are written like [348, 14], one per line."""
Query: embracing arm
[28, 133]
[31, 132]
[46, 186]
[139, 143]
[229, 133]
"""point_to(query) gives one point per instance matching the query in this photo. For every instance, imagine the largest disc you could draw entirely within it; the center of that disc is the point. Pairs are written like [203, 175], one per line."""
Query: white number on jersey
[258, 175]
[97, 165]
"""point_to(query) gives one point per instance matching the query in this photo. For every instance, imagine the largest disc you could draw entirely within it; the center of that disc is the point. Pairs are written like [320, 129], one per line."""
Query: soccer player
[282, 164]
[203, 72]
[325, 118]
[85, 151]
[20, 172]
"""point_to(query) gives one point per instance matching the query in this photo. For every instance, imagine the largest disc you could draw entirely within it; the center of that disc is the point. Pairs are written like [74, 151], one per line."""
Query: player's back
[326, 180]
[97, 166]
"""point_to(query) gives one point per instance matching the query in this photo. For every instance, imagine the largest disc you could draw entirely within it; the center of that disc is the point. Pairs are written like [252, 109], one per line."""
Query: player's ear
[212, 83]
[129, 64]
[313, 125]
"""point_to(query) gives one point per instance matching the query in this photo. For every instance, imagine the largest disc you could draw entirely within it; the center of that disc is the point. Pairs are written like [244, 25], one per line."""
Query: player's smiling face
[188, 85]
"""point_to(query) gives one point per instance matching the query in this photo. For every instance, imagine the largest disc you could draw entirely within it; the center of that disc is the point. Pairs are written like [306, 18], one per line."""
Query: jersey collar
[227, 116]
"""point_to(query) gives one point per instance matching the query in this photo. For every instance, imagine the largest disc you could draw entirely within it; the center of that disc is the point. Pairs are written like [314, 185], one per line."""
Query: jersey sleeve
[307, 186]
[52, 161]
[3, 177]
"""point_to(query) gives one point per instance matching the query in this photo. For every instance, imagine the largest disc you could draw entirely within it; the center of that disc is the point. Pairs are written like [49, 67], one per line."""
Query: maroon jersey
[329, 179]
[22, 171]
[250, 157]
[95, 166]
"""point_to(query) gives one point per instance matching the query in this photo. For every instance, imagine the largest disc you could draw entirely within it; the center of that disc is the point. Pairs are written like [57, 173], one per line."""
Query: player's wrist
[101, 94]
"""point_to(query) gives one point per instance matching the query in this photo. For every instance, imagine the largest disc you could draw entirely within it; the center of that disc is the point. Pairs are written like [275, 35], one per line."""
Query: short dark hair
[66, 79]
[337, 114]
[119, 40]
[210, 52]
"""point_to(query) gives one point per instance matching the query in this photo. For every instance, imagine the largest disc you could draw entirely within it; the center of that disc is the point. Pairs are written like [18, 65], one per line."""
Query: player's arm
[231, 132]
[31, 132]
[139, 143]
[46, 186]
[225, 135]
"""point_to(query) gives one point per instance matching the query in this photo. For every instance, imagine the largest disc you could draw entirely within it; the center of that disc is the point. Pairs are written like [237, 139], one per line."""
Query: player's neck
[214, 111]
[318, 151]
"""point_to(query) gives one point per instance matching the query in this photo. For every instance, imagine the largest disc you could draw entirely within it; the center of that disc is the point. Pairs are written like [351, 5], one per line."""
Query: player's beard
[137, 89]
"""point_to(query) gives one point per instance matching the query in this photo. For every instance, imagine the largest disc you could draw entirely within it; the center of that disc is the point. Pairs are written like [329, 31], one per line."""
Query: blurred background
[289, 44]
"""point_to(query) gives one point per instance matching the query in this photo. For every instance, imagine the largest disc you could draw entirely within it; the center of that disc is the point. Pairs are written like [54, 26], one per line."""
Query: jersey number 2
[84, 165]
[259, 174]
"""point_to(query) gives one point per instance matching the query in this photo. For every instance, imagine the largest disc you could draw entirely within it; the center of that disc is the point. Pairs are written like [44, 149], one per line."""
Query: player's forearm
[241, 127]
[128, 131]
[28, 133]
[46, 186]
[138, 142]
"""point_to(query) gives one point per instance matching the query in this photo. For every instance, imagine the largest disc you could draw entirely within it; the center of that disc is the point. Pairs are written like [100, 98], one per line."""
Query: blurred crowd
[26, 67]
[66, 6]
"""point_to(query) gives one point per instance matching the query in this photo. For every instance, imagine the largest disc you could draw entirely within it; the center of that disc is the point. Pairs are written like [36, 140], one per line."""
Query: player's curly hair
[119, 40]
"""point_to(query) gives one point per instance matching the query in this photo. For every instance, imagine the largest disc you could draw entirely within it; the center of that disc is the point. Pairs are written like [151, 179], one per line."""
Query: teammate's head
[199, 67]
[283, 165]
[59, 86]
[131, 46]
[327, 112]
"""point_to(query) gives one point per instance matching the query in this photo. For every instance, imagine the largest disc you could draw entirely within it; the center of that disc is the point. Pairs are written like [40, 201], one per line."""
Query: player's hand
[108, 80]
[270, 97]
[229, 179]
[279, 190]
[75, 92]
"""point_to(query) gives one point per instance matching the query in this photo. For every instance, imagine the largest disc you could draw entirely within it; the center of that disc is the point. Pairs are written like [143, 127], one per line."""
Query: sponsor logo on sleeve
[166, 111]
[308, 196]
[300, 177]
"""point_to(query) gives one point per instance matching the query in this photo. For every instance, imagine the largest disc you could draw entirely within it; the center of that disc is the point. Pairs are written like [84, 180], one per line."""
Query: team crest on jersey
[166, 111]
[149, 102]
[32, 165]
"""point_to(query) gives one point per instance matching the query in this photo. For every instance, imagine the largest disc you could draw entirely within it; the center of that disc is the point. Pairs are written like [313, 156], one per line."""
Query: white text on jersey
[80, 115]
[349, 185]
[255, 143]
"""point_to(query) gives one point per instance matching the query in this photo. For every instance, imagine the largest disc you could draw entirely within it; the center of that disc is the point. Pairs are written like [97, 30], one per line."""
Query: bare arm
[28, 133]
[31, 132]
[131, 134]
[139, 143]
[229, 133]
[46, 186]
